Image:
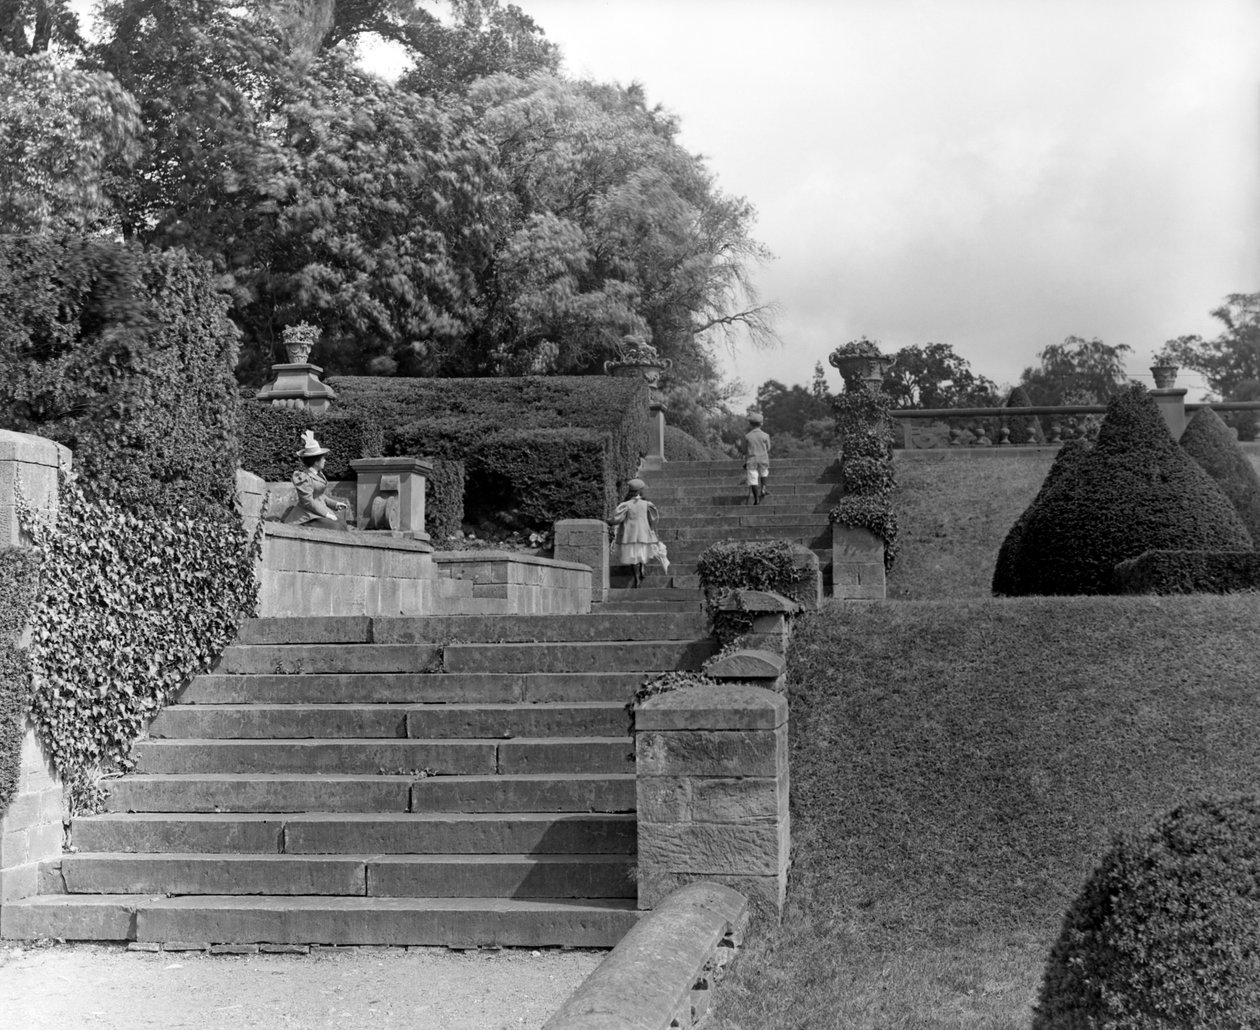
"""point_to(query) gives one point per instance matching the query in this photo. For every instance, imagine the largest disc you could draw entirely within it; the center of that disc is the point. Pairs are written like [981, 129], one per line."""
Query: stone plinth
[390, 495]
[712, 793]
[656, 434]
[857, 564]
[31, 830]
[1172, 405]
[770, 615]
[31, 463]
[585, 541]
[297, 386]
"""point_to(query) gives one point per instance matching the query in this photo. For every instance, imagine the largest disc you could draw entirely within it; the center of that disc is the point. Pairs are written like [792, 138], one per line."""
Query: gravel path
[106, 987]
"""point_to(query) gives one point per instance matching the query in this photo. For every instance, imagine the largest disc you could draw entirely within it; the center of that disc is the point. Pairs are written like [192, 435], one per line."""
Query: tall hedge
[19, 572]
[1135, 491]
[271, 436]
[1025, 429]
[125, 355]
[562, 446]
[1208, 441]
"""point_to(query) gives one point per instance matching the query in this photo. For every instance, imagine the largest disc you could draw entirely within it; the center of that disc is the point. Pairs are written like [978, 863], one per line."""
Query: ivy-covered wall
[19, 571]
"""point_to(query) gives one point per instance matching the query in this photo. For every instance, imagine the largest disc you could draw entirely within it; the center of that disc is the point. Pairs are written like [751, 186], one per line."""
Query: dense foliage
[1208, 441]
[130, 607]
[1135, 491]
[773, 565]
[444, 499]
[682, 446]
[1166, 932]
[271, 438]
[1076, 371]
[125, 355]
[19, 580]
[1233, 358]
[934, 376]
[1189, 572]
[866, 465]
[1024, 429]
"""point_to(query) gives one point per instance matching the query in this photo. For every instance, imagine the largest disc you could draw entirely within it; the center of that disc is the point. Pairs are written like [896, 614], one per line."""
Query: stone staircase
[464, 781]
[704, 502]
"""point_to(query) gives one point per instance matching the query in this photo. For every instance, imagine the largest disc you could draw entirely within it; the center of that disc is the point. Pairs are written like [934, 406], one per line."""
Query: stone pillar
[1172, 405]
[585, 541]
[857, 564]
[712, 793]
[298, 386]
[656, 434]
[31, 828]
[390, 494]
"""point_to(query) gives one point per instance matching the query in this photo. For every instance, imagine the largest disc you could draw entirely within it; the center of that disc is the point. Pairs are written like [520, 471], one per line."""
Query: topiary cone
[1208, 441]
[1135, 491]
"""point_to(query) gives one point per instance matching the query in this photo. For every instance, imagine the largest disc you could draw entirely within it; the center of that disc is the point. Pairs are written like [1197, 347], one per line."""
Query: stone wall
[585, 541]
[509, 583]
[712, 793]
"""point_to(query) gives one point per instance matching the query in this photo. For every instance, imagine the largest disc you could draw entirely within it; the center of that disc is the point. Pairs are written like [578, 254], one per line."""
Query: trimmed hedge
[1025, 429]
[1208, 441]
[1166, 932]
[125, 355]
[444, 499]
[577, 416]
[19, 578]
[682, 446]
[1189, 572]
[271, 437]
[1135, 491]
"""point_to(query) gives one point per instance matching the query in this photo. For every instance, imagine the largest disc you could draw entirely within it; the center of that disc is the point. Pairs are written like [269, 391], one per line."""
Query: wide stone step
[419, 687]
[663, 495]
[263, 792]
[300, 659]
[256, 721]
[730, 503]
[682, 539]
[623, 656]
[761, 516]
[352, 833]
[217, 919]
[373, 876]
[399, 757]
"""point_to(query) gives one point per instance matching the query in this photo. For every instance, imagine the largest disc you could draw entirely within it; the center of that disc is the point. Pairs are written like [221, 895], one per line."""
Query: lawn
[957, 768]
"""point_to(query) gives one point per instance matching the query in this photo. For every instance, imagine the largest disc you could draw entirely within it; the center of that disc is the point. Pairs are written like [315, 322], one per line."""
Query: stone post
[857, 564]
[390, 494]
[585, 541]
[31, 828]
[297, 386]
[1172, 405]
[656, 434]
[712, 793]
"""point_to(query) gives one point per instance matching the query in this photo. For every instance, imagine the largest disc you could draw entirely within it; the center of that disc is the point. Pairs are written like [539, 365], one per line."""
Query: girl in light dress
[636, 542]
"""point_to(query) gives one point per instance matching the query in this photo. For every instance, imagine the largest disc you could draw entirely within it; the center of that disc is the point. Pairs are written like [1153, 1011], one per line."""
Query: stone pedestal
[1172, 405]
[585, 541]
[390, 495]
[656, 434]
[712, 793]
[31, 463]
[298, 386]
[857, 564]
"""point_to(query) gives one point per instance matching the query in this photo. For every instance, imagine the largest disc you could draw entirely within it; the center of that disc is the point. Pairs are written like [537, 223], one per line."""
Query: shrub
[125, 355]
[682, 446]
[1025, 429]
[866, 465]
[1189, 572]
[130, 607]
[19, 569]
[1209, 442]
[541, 475]
[1166, 932]
[1066, 464]
[1135, 491]
[444, 499]
[773, 565]
[271, 437]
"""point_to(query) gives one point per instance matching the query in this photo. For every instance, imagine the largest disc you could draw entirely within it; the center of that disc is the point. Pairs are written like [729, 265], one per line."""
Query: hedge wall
[271, 437]
[125, 355]
[1189, 572]
[1208, 441]
[19, 577]
[444, 499]
[682, 446]
[593, 428]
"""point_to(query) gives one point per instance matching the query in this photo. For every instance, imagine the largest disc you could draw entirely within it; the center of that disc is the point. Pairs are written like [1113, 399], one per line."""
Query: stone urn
[298, 342]
[1165, 375]
[637, 359]
[860, 361]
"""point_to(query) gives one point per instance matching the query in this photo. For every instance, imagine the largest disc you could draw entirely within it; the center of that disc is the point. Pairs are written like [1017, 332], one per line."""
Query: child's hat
[310, 446]
[755, 418]
[637, 485]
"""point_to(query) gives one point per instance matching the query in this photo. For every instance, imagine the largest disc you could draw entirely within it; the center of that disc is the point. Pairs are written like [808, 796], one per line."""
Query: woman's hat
[755, 418]
[310, 446]
[637, 485]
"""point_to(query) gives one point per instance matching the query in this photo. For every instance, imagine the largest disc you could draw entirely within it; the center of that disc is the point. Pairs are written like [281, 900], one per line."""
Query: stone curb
[662, 973]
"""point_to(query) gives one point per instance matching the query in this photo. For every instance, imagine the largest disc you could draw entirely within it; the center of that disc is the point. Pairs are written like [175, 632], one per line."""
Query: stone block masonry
[585, 541]
[712, 793]
[857, 564]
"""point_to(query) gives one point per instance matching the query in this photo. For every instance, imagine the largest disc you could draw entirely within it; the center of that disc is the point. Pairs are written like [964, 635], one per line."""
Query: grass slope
[957, 769]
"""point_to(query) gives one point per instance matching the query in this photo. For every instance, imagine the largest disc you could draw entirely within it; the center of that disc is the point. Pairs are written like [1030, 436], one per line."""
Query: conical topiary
[1135, 491]
[1208, 441]
[1066, 462]
[1025, 429]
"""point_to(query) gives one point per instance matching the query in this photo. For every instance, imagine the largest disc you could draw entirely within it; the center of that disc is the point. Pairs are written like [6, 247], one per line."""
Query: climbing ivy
[19, 568]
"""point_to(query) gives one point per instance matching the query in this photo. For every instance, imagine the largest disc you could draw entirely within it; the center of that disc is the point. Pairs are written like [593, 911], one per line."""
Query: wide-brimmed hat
[755, 418]
[310, 446]
[637, 485]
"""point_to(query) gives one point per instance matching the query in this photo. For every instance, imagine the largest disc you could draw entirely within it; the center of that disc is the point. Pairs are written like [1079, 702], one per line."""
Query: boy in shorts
[756, 448]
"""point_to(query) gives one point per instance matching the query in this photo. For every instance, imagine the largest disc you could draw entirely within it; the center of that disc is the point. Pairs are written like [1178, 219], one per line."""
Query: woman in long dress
[636, 541]
[309, 483]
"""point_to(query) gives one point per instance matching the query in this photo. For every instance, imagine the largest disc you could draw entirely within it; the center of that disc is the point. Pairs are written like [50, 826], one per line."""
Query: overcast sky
[992, 174]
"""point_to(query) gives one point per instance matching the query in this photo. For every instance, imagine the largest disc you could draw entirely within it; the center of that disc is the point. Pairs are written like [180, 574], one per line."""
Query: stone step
[388, 756]
[217, 919]
[730, 503]
[373, 876]
[272, 792]
[687, 469]
[353, 833]
[754, 516]
[257, 721]
[699, 537]
[401, 687]
[302, 659]
[622, 656]
[663, 495]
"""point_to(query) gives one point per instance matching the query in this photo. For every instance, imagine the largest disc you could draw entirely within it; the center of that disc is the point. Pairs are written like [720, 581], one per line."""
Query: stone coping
[747, 664]
[508, 556]
[650, 980]
[735, 706]
[31, 449]
[758, 601]
[384, 541]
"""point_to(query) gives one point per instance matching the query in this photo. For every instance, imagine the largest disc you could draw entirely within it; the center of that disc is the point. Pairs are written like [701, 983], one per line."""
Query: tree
[934, 376]
[33, 26]
[1234, 356]
[1076, 371]
[60, 127]
[789, 409]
